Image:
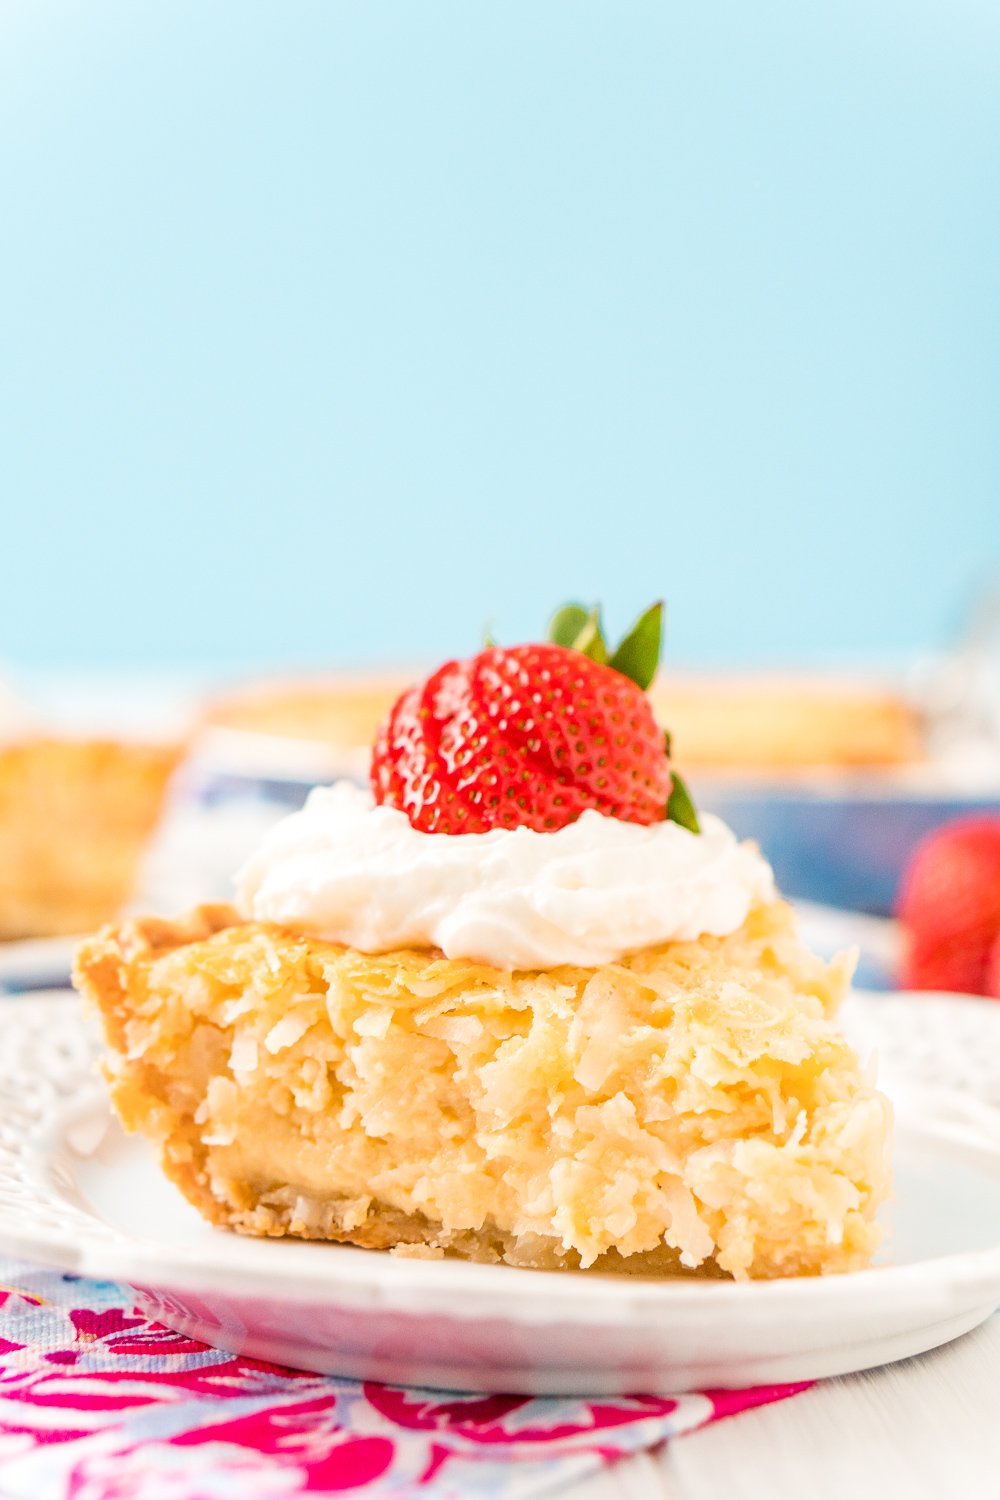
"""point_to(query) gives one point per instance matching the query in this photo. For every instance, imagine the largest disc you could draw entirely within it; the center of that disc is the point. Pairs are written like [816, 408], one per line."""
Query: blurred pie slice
[75, 817]
[748, 723]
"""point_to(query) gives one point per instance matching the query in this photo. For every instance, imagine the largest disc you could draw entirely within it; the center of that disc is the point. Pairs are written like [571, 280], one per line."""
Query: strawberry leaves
[590, 640]
[567, 623]
[581, 630]
[680, 808]
[638, 654]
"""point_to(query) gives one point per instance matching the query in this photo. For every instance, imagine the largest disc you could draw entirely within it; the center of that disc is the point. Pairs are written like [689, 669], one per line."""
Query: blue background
[329, 331]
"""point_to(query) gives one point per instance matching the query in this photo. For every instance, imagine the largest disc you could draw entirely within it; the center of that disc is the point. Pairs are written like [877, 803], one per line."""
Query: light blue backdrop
[331, 330]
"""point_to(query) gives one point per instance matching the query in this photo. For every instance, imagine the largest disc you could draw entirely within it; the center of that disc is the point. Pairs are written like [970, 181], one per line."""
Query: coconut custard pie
[514, 1002]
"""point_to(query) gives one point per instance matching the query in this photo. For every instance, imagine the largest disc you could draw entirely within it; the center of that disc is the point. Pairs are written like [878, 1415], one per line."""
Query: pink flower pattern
[99, 1403]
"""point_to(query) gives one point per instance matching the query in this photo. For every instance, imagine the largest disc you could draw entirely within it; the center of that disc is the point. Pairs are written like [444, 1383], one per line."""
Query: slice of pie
[518, 1003]
[691, 1106]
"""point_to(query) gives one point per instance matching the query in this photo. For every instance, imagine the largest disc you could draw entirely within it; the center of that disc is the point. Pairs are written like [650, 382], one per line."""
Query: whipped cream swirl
[361, 875]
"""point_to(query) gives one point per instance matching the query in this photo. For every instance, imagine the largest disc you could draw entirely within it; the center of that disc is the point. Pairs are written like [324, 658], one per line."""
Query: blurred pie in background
[761, 723]
[343, 712]
[749, 723]
[75, 819]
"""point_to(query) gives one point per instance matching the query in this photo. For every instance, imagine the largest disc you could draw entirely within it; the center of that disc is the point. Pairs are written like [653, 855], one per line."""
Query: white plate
[77, 1193]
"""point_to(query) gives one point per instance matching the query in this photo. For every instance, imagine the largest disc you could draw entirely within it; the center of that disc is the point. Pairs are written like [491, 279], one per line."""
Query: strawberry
[532, 736]
[992, 985]
[949, 905]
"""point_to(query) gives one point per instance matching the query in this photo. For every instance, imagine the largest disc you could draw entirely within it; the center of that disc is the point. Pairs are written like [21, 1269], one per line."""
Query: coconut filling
[692, 1106]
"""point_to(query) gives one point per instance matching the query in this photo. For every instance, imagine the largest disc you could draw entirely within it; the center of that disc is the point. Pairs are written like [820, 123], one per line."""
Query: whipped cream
[361, 875]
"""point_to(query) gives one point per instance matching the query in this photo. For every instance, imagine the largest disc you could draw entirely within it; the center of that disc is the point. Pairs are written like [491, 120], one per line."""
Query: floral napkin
[98, 1403]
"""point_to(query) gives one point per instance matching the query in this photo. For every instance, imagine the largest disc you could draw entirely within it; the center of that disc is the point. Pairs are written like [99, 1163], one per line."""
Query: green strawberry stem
[680, 808]
[590, 639]
[638, 654]
[567, 623]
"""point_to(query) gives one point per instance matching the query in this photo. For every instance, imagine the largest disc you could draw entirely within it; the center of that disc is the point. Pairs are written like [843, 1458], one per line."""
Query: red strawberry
[526, 736]
[992, 985]
[949, 905]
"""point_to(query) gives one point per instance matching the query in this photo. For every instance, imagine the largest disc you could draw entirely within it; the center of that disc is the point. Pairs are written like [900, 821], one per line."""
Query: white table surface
[924, 1429]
